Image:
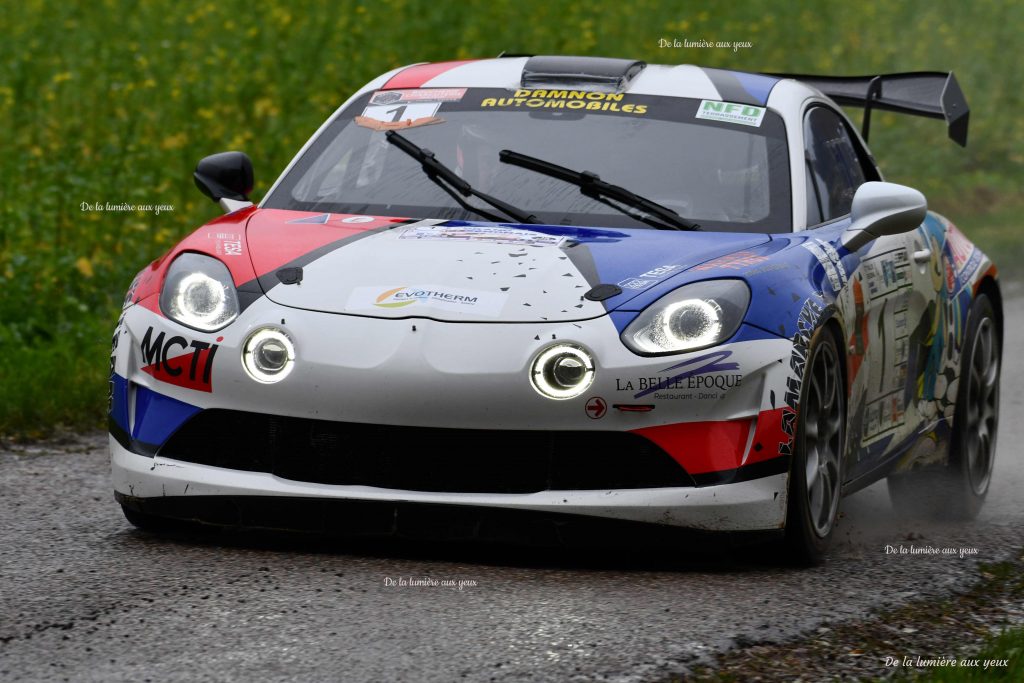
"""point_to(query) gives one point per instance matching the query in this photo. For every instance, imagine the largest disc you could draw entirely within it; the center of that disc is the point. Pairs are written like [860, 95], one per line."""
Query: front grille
[423, 458]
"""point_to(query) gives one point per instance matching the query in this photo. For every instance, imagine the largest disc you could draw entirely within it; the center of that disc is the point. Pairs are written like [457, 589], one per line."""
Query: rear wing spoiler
[934, 94]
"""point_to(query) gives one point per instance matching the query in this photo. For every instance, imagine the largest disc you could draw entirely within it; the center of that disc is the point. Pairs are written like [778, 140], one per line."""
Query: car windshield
[725, 174]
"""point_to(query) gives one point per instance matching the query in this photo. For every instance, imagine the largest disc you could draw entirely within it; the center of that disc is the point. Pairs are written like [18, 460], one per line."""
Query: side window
[833, 167]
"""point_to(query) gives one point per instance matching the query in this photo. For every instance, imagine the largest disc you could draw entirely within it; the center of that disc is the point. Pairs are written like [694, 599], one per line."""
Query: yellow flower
[265, 107]
[176, 141]
[62, 76]
[84, 266]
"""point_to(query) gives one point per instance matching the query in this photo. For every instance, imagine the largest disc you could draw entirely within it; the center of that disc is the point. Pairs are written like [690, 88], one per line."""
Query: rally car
[550, 291]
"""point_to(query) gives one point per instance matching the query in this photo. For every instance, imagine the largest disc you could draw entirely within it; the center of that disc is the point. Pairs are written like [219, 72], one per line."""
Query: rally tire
[958, 490]
[816, 472]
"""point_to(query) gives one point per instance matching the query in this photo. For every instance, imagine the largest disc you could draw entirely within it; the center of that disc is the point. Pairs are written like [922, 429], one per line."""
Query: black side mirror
[227, 175]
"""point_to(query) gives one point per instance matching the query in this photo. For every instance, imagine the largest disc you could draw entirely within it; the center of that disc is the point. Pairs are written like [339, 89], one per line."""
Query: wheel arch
[989, 286]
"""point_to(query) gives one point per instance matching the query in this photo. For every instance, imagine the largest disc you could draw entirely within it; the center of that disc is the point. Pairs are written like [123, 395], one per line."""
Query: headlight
[562, 371]
[268, 355]
[199, 293]
[692, 317]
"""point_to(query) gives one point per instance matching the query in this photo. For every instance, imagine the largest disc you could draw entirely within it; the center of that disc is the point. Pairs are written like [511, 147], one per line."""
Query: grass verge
[48, 385]
[980, 626]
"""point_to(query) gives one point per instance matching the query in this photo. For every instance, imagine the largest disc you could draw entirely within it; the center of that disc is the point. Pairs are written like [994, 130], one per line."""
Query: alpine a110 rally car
[559, 290]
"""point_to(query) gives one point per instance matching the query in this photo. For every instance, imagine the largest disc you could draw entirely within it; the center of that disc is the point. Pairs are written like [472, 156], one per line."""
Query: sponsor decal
[645, 280]
[358, 219]
[400, 112]
[730, 112]
[481, 233]
[113, 358]
[177, 360]
[807, 322]
[886, 272]
[737, 261]
[636, 283]
[960, 248]
[566, 99]
[418, 95]
[694, 374]
[406, 108]
[428, 296]
[660, 271]
[596, 408]
[829, 259]
[226, 243]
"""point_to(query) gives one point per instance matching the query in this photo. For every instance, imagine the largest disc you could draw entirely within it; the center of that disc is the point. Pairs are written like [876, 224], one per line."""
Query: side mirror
[226, 178]
[881, 209]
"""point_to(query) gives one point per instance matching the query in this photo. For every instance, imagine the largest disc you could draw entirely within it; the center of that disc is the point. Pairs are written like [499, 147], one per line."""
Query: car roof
[679, 80]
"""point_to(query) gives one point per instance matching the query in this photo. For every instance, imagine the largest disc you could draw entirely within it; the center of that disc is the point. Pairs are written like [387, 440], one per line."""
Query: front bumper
[715, 412]
[755, 505]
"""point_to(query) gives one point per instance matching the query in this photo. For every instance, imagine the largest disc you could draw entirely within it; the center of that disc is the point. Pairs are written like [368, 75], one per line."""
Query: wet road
[83, 596]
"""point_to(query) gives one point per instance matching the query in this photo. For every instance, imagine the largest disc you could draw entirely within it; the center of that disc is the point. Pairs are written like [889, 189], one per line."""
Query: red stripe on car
[274, 239]
[416, 76]
[720, 445]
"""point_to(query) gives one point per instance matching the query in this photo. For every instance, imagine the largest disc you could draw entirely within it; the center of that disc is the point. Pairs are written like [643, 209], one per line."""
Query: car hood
[466, 272]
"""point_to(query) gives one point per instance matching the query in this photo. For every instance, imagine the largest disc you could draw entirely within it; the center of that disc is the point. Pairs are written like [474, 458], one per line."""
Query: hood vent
[601, 74]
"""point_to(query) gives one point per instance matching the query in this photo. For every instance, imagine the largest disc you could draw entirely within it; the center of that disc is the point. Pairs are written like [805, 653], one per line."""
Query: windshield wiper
[446, 179]
[591, 185]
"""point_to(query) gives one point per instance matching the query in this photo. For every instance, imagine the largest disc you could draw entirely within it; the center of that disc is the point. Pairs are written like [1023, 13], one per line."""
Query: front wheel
[815, 482]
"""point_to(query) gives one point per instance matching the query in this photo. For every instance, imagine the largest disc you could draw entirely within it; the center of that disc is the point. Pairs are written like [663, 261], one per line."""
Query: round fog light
[268, 355]
[562, 371]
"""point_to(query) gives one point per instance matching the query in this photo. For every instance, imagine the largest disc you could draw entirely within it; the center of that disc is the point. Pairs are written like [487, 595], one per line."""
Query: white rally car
[522, 295]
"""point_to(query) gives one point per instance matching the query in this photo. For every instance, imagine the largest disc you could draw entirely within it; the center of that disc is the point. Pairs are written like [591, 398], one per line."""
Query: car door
[880, 302]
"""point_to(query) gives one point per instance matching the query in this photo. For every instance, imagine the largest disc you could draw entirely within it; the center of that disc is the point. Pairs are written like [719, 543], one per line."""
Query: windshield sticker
[730, 112]
[481, 233]
[374, 124]
[418, 95]
[417, 297]
[566, 99]
[390, 116]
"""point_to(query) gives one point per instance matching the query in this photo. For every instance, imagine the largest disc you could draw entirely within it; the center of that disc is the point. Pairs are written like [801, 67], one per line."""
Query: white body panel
[746, 506]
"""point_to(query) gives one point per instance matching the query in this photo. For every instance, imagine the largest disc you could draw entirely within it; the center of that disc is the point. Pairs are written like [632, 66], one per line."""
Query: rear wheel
[958, 490]
[815, 482]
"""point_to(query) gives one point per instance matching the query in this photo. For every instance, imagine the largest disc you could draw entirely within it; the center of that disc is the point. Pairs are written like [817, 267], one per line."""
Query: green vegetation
[1000, 659]
[115, 101]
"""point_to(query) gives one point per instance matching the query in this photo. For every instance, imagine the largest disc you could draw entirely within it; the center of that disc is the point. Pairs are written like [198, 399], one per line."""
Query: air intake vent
[589, 73]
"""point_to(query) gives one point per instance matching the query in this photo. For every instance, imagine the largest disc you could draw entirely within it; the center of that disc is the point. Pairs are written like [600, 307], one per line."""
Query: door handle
[922, 255]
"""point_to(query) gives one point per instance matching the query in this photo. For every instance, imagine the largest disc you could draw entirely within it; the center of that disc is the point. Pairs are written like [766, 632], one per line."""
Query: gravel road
[83, 596]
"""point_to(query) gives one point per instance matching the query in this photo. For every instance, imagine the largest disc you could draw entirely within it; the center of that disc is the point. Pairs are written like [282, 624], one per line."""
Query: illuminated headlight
[199, 293]
[268, 355]
[692, 317]
[562, 371]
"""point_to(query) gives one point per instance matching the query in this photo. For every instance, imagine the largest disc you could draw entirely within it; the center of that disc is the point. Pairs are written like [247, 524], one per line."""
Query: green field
[115, 101]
